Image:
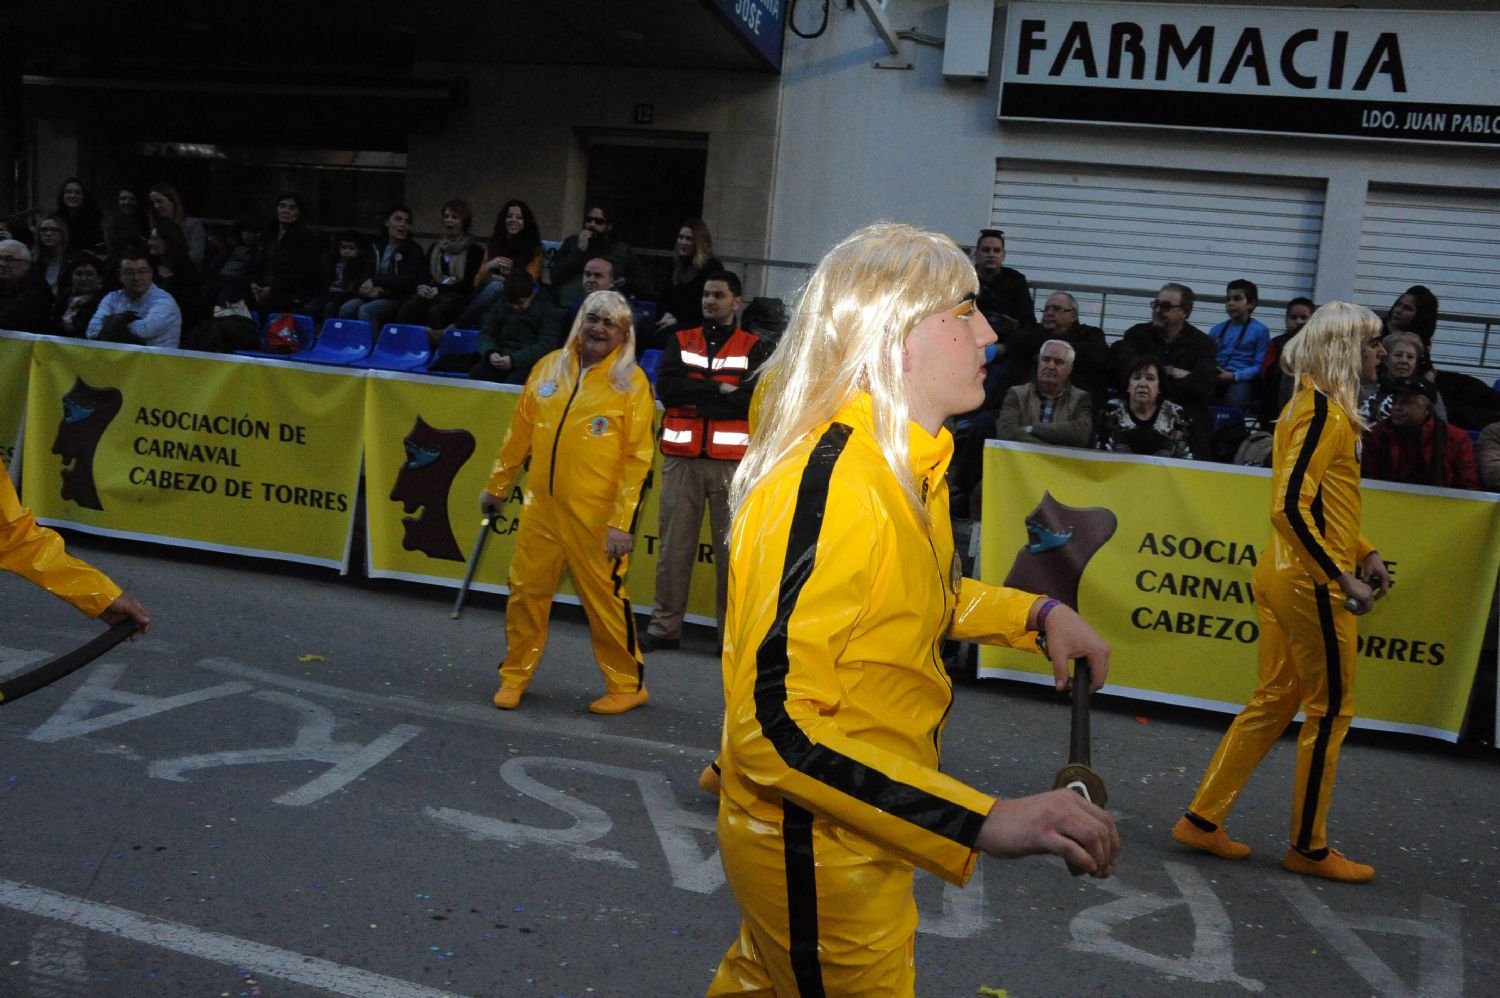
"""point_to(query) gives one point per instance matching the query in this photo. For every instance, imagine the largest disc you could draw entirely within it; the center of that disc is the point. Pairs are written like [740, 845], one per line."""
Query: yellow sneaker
[619, 703]
[507, 697]
[1217, 841]
[708, 780]
[1334, 866]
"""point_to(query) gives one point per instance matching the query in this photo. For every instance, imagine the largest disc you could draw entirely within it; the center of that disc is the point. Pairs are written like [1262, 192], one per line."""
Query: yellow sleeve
[639, 451]
[993, 615]
[1311, 442]
[516, 446]
[811, 571]
[36, 553]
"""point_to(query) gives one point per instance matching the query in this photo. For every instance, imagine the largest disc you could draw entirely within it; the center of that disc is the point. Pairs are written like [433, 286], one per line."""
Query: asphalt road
[296, 786]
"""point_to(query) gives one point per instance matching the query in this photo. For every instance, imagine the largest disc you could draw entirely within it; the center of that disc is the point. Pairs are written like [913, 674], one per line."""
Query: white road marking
[72, 719]
[1441, 968]
[1212, 959]
[232, 951]
[963, 915]
[17, 660]
[314, 743]
[482, 715]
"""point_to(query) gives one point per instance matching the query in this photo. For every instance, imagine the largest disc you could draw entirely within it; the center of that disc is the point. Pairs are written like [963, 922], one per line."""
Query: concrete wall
[860, 143]
[520, 137]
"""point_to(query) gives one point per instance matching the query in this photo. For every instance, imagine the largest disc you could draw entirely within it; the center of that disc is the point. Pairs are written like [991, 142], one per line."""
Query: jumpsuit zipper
[944, 581]
[556, 437]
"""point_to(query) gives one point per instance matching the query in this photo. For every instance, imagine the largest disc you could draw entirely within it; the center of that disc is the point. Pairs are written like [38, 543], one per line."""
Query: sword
[69, 662]
[463, 590]
[1077, 775]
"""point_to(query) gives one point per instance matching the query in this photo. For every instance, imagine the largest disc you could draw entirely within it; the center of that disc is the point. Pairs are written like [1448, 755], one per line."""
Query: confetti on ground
[1142, 719]
[995, 992]
[312, 658]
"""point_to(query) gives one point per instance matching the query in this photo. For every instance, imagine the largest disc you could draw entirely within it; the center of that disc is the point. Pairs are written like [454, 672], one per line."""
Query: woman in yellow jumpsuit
[1308, 634]
[36, 553]
[587, 421]
[842, 587]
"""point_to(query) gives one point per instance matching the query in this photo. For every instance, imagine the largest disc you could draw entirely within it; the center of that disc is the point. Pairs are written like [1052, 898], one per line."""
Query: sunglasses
[1163, 306]
[1058, 308]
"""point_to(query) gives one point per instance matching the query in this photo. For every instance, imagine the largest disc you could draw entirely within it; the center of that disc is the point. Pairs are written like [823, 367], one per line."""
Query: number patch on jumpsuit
[598, 426]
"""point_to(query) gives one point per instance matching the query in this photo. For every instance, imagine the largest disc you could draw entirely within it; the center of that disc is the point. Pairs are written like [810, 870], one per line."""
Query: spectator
[229, 274]
[175, 273]
[1188, 356]
[125, 222]
[1413, 445]
[704, 383]
[516, 238]
[517, 333]
[1404, 359]
[351, 269]
[1414, 312]
[1143, 422]
[1487, 454]
[77, 207]
[596, 238]
[25, 300]
[49, 256]
[1049, 409]
[1275, 385]
[598, 275]
[399, 263]
[167, 203]
[1242, 341]
[139, 312]
[1004, 295]
[73, 311]
[452, 263]
[288, 268]
[681, 305]
[1371, 359]
[1090, 349]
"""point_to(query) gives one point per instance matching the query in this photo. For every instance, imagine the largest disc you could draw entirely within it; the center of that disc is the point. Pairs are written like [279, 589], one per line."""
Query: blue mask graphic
[1041, 540]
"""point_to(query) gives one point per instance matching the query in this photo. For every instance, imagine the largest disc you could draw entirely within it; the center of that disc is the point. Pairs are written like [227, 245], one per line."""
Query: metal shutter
[1073, 228]
[1449, 241]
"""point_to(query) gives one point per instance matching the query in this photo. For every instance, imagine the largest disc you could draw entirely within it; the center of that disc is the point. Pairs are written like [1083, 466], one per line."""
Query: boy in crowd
[1241, 341]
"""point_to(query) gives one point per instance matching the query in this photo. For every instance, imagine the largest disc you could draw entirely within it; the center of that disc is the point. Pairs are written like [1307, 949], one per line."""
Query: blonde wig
[846, 337]
[1327, 353]
[613, 305]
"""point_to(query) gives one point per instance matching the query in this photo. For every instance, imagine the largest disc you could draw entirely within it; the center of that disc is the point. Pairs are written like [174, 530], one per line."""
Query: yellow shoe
[619, 703]
[507, 697]
[1334, 866]
[708, 780]
[1217, 841]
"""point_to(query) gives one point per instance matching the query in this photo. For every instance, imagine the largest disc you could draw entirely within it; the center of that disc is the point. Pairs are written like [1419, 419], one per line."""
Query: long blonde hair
[1327, 351]
[846, 338]
[613, 305]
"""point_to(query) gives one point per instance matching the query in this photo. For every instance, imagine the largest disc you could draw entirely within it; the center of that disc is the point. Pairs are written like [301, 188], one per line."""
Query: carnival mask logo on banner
[1060, 541]
[433, 459]
[86, 413]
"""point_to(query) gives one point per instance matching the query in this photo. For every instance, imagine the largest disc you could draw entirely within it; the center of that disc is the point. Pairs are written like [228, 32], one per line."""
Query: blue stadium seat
[1496, 386]
[1225, 415]
[645, 312]
[398, 348]
[454, 341]
[306, 334]
[342, 342]
[650, 360]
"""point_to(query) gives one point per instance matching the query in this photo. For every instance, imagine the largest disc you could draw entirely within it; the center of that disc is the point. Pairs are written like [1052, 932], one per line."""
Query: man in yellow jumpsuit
[1308, 634]
[843, 586]
[587, 421]
[36, 553]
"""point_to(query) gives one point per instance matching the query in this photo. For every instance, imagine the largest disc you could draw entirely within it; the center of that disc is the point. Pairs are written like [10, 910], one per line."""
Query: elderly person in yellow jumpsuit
[1308, 633]
[36, 553]
[843, 586]
[587, 421]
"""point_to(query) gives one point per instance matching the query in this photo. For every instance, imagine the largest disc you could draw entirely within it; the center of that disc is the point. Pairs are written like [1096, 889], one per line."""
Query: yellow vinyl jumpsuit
[1307, 638]
[836, 694]
[36, 553]
[591, 448]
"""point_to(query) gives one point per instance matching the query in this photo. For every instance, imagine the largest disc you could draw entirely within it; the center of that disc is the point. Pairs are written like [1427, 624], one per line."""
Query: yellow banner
[1158, 554]
[423, 518]
[228, 454]
[15, 361]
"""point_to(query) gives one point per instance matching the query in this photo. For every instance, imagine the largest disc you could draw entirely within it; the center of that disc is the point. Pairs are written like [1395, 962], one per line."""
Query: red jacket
[1394, 455]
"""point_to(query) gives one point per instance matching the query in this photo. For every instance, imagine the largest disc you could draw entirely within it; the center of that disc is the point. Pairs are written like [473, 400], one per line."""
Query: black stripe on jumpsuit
[797, 751]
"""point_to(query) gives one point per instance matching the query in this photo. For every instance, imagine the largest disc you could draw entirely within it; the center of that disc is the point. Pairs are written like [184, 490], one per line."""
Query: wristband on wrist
[1041, 624]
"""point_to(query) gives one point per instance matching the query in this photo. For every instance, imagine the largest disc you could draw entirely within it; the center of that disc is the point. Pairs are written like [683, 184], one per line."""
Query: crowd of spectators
[54, 278]
[1167, 388]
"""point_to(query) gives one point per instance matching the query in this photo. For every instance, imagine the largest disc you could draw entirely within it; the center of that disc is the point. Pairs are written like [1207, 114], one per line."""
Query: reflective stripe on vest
[696, 360]
[672, 436]
[725, 438]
